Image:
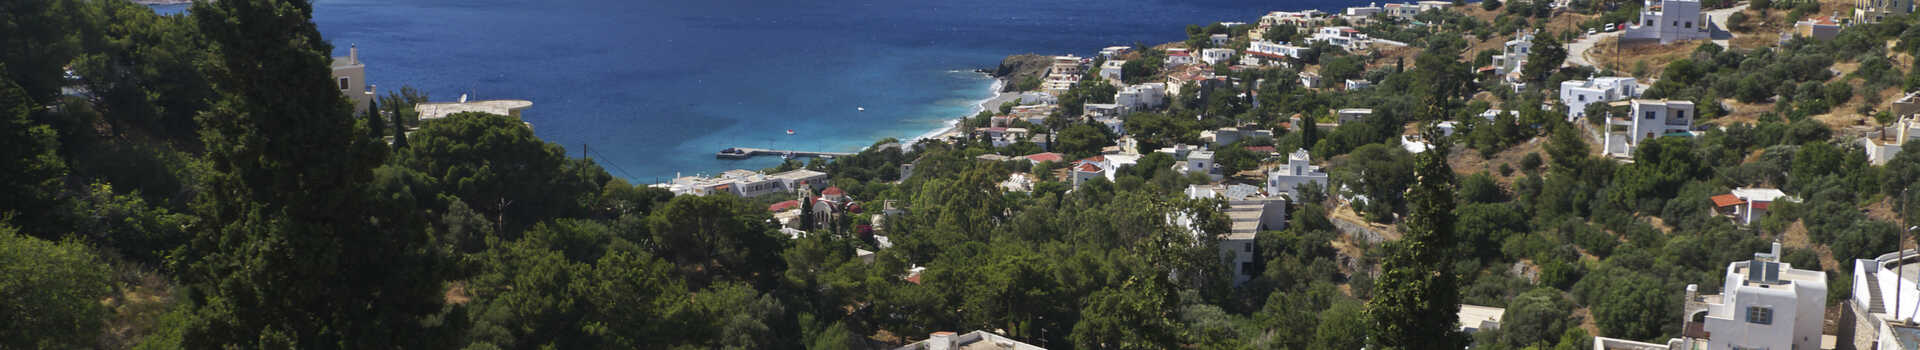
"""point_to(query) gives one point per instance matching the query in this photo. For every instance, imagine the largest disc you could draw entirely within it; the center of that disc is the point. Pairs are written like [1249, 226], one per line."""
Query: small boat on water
[732, 153]
[787, 155]
[862, 109]
[789, 131]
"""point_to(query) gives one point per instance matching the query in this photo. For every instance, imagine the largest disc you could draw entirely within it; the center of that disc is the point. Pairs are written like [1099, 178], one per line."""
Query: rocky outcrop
[1018, 68]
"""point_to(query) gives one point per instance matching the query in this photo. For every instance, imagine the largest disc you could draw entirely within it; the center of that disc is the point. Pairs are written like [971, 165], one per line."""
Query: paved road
[1578, 50]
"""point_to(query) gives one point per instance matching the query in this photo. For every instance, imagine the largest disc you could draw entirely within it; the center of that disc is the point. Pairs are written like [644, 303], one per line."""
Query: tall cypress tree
[399, 128]
[297, 252]
[376, 126]
[1416, 300]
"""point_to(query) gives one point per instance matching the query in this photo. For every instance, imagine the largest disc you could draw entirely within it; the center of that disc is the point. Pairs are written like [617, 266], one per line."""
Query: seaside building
[1139, 97]
[1577, 94]
[1272, 53]
[1764, 304]
[1219, 40]
[1299, 170]
[1343, 37]
[1178, 57]
[746, 183]
[1650, 119]
[1249, 213]
[1362, 12]
[1112, 52]
[1112, 70]
[976, 340]
[1669, 21]
[1302, 19]
[1872, 11]
[437, 110]
[1215, 56]
[1062, 74]
[1746, 205]
[350, 75]
[1401, 11]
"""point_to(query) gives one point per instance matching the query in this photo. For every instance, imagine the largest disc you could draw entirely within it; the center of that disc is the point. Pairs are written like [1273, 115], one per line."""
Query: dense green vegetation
[210, 190]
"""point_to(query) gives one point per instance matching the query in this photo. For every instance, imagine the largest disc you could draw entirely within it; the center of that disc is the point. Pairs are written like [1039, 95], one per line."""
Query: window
[1583, 98]
[1649, 22]
[1246, 268]
[1680, 114]
[1689, 25]
[1246, 247]
[1759, 315]
[343, 83]
[1648, 115]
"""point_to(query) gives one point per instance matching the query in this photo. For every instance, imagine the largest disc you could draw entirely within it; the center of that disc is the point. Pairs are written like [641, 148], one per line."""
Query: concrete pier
[746, 152]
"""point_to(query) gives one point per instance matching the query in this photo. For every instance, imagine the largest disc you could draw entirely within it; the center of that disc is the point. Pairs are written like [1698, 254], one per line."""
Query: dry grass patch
[1644, 60]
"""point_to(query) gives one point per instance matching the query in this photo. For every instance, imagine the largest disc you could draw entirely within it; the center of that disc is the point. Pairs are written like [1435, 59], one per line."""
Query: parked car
[1591, 31]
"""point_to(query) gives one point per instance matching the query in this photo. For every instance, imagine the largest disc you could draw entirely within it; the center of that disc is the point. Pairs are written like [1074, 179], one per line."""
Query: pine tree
[30, 167]
[1416, 298]
[297, 252]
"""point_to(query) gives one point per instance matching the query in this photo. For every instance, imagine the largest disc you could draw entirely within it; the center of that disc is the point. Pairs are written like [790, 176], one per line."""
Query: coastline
[952, 126]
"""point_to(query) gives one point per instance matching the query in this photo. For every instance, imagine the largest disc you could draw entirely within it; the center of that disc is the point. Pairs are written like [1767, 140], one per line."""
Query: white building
[746, 183]
[1178, 57]
[1229, 135]
[1299, 170]
[1356, 84]
[1514, 54]
[976, 340]
[1363, 11]
[1249, 213]
[1669, 21]
[350, 75]
[1138, 97]
[1113, 69]
[1650, 119]
[1885, 292]
[1885, 143]
[1112, 52]
[1306, 18]
[1103, 110]
[1272, 53]
[1746, 205]
[1017, 182]
[1349, 115]
[1764, 304]
[1199, 162]
[1343, 37]
[1576, 94]
[1872, 11]
[1215, 56]
[1219, 40]
[1062, 74]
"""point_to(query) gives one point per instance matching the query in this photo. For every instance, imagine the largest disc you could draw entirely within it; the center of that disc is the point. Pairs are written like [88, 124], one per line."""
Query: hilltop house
[1178, 57]
[1200, 162]
[1746, 205]
[1669, 21]
[1650, 119]
[1883, 144]
[1513, 56]
[1577, 94]
[1821, 28]
[1215, 56]
[350, 75]
[1764, 304]
[1299, 170]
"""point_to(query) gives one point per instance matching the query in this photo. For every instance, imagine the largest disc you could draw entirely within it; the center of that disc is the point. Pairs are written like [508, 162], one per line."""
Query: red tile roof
[1727, 200]
[1088, 167]
[1268, 149]
[783, 206]
[1044, 157]
[1761, 205]
[833, 190]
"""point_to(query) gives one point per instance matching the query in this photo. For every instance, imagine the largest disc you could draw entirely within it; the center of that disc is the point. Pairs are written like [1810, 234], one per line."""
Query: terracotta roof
[1099, 158]
[1761, 205]
[1088, 167]
[833, 190]
[1268, 149]
[783, 206]
[1727, 200]
[1044, 157]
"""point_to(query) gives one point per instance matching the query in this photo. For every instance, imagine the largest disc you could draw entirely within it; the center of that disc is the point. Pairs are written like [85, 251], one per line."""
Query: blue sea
[655, 87]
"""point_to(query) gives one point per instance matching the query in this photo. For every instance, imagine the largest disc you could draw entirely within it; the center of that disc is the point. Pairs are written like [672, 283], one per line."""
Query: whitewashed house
[1885, 143]
[1249, 213]
[1178, 57]
[1112, 52]
[1669, 21]
[1650, 119]
[1219, 40]
[1577, 94]
[1764, 304]
[1215, 56]
[1299, 170]
[1747, 205]
[1139, 97]
[1112, 70]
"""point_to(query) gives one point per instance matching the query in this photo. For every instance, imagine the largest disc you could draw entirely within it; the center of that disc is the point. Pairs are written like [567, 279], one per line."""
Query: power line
[608, 162]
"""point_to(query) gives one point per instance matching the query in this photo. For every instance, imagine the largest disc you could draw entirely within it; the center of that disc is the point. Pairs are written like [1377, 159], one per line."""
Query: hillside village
[1568, 174]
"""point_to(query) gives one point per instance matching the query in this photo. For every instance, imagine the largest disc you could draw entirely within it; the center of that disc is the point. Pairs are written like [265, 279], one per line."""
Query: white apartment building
[1669, 21]
[1062, 74]
[1296, 18]
[1112, 52]
[1577, 94]
[1274, 52]
[1215, 56]
[1871, 11]
[1138, 97]
[1514, 54]
[1650, 119]
[1299, 170]
[1885, 143]
[746, 183]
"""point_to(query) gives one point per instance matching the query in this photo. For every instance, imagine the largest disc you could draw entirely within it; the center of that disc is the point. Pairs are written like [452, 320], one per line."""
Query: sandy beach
[952, 130]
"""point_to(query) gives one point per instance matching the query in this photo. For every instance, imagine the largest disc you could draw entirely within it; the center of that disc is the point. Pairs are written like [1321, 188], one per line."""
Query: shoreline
[952, 126]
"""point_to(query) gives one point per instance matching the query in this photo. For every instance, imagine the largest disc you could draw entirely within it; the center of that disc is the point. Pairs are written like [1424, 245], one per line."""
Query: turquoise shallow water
[653, 88]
